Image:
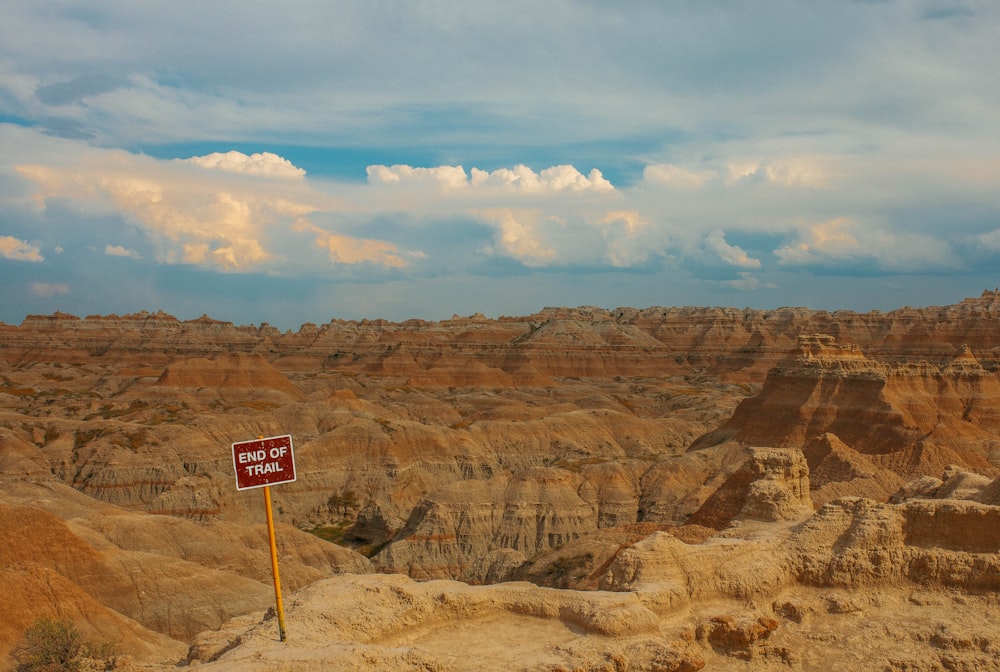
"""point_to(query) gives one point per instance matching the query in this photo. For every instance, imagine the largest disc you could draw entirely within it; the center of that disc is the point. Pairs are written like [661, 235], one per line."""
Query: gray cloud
[552, 71]
[78, 89]
[740, 148]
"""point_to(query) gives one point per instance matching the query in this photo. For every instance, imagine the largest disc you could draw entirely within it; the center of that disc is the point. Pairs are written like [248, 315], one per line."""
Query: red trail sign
[263, 462]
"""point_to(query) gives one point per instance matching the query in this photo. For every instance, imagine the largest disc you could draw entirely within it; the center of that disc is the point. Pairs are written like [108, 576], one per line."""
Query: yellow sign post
[274, 564]
[261, 464]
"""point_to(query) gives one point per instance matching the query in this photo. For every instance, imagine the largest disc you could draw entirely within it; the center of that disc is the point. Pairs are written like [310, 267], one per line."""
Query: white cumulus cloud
[822, 241]
[263, 163]
[120, 251]
[520, 178]
[787, 171]
[520, 235]
[733, 255]
[352, 250]
[627, 238]
[223, 221]
[553, 179]
[19, 250]
[444, 176]
[845, 240]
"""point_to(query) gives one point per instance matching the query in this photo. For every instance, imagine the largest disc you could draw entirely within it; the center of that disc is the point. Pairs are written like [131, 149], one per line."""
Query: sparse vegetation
[337, 533]
[332, 533]
[343, 503]
[56, 645]
[564, 570]
[84, 436]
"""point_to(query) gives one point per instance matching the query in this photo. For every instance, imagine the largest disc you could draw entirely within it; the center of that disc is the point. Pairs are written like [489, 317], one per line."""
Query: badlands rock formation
[550, 448]
[910, 417]
[859, 585]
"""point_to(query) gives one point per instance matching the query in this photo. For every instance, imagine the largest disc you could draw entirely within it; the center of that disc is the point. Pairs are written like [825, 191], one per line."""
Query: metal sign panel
[264, 462]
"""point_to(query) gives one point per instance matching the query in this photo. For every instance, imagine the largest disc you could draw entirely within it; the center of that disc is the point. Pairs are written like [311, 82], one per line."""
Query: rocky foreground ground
[658, 489]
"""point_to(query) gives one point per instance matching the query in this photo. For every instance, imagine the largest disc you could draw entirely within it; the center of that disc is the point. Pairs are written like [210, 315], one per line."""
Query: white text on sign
[255, 463]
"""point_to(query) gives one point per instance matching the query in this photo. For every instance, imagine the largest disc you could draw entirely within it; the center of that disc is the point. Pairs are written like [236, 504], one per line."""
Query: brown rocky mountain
[548, 447]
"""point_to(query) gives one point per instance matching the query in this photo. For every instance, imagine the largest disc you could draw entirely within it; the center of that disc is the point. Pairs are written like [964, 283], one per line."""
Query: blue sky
[301, 162]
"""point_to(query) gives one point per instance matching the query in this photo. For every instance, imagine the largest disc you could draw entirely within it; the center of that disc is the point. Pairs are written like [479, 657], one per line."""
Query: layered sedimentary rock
[924, 536]
[455, 532]
[858, 585]
[545, 447]
[139, 410]
[228, 371]
[152, 582]
[910, 418]
[584, 341]
[773, 484]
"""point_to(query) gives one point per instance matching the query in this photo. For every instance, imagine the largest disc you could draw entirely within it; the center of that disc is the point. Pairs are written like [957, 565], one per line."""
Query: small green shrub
[50, 645]
[332, 533]
[55, 645]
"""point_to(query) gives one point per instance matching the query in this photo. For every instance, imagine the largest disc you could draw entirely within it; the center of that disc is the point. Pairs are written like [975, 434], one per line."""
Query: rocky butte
[578, 489]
